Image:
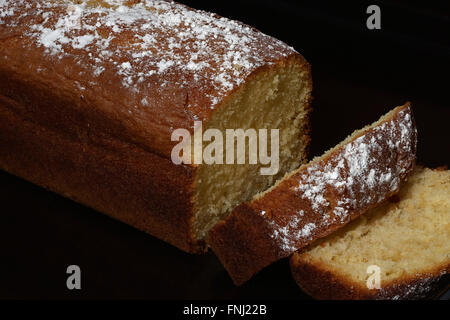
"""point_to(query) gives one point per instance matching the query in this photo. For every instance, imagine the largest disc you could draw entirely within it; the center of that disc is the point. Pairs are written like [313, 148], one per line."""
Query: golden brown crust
[88, 111]
[324, 284]
[60, 71]
[318, 198]
[126, 182]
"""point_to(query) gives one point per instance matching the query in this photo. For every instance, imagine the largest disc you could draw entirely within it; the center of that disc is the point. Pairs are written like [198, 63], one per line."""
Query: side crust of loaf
[323, 284]
[116, 178]
[319, 197]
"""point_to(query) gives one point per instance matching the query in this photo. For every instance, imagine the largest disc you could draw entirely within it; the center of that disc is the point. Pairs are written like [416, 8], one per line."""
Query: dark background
[358, 75]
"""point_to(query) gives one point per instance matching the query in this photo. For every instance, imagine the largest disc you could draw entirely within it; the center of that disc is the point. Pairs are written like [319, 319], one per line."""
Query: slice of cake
[406, 241]
[319, 197]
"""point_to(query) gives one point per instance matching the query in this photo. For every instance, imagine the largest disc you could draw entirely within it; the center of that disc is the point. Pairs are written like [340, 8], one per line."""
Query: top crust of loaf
[148, 67]
[319, 197]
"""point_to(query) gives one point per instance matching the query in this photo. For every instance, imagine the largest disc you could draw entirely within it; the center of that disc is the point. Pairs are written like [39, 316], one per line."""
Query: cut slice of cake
[319, 197]
[405, 240]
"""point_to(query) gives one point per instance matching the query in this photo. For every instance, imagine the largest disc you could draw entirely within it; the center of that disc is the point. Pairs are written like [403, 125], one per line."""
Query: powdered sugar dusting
[6, 8]
[360, 174]
[288, 235]
[147, 40]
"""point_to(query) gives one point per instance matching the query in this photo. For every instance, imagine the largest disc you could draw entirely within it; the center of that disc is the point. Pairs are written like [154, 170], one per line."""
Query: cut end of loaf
[408, 238]
[276, 97]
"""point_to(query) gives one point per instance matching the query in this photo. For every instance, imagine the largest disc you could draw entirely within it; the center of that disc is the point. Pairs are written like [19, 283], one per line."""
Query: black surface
[358, 76]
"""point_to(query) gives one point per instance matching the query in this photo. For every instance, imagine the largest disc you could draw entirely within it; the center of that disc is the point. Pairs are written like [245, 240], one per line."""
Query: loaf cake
[91, 92]
[407, 238]
[319, 197]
